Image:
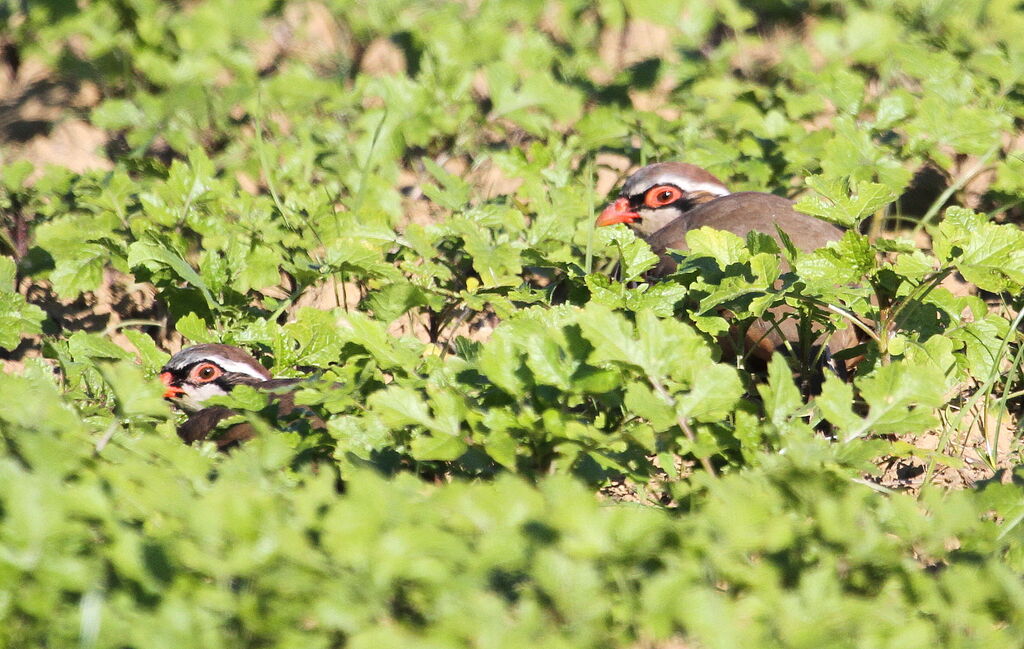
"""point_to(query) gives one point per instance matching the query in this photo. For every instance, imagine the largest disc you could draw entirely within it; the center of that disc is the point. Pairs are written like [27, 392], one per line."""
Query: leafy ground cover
[527, 443]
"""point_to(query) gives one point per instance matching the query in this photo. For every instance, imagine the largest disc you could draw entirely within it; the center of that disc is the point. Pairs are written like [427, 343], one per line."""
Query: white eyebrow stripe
[711, 188]
[237, 367]
[671, 179]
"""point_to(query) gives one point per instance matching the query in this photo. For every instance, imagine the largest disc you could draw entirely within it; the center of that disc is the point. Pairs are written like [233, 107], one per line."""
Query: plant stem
[683, 426]
[955, 187]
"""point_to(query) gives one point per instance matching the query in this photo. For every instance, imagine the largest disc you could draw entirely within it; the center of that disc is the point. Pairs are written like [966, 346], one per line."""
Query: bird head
[658, 194]
[197, 373]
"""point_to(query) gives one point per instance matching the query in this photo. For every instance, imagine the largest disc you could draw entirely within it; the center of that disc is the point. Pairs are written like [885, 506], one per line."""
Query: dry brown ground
[42, 120]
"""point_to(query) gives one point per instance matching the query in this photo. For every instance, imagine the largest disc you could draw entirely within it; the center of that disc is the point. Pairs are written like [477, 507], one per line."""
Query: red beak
[172, 391]
[617, 212]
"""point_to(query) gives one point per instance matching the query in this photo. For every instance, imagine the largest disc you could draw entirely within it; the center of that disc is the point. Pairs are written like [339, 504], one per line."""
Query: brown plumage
[664, 201]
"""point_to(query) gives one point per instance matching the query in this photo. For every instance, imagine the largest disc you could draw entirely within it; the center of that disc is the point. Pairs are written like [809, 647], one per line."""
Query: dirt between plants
[43, 120]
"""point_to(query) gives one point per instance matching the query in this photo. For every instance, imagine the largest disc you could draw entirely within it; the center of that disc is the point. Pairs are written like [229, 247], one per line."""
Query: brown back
[740, 214]
[746, 212]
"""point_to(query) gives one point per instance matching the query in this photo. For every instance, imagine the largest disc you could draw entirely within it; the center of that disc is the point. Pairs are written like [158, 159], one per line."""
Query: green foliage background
[262, 159]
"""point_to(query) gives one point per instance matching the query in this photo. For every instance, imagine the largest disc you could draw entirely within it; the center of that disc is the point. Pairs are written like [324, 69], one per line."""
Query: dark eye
[664, 196]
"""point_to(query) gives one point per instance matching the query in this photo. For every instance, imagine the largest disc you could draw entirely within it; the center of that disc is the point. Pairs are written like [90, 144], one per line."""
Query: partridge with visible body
[662, 202]
[197, 373]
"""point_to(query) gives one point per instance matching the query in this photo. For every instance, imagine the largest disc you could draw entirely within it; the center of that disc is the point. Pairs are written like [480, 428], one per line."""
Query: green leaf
[846, 261]
[642, 401]
[986, 254]
[714, 391]
[900, 398]
[499, 360]
[550, 361]
[242, 397]
[155, 257]
[317, 339]
[634, 253]
[836, 403]
[614, 339]
[117, 114]
[846, 90]
[79, 270]
[14, 174]
[437, 447]
[261, 269]
[892, 109]
[781, 396]
[86, 347]
[153, 358]
[391, 353]
[18, 318]
[833, 202]
[724, 247]
[400, 406]
[454, 192]
[502, 447]
[395, 299]
[135, 395]
[194, 328]
[33, 403]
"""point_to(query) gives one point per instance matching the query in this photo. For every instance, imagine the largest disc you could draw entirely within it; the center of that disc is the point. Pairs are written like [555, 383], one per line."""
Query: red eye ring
[662, 195]
[205, 372]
